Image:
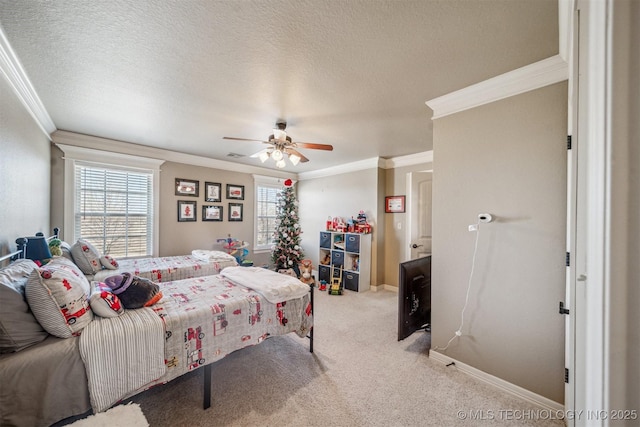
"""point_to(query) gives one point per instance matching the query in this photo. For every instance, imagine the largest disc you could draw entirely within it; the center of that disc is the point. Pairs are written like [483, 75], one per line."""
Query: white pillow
[86, 256]
[104, 302]
[58, 294]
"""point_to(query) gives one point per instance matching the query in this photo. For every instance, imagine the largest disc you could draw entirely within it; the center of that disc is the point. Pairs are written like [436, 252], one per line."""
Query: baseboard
[378, 288]
[513, 389]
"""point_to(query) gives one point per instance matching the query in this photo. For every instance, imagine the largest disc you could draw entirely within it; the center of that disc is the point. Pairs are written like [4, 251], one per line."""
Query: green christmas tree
[286, 252]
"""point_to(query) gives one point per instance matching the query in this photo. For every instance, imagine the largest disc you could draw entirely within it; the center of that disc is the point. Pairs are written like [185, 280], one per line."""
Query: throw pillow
[86, 256]
[103, 302]
[58, 294]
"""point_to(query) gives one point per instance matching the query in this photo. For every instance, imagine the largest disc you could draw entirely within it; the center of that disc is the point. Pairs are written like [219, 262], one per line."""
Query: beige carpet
[358, 375]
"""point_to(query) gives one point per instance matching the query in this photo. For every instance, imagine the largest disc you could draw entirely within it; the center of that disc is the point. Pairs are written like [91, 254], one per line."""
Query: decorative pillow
[58, 294]
[104, 302]
[86, 256]
[19, 328]
[109, 262]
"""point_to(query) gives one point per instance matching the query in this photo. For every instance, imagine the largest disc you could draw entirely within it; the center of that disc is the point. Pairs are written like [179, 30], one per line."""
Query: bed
[102, 360]
[98, 266]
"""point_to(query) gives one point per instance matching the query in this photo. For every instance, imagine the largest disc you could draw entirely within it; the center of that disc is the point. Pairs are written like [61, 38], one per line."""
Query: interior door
[419, 214]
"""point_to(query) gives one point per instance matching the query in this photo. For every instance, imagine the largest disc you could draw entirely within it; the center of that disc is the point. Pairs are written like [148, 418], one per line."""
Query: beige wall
[507, 158]
[339, 195]
[182, 237]
[24, 170]
[624, 297]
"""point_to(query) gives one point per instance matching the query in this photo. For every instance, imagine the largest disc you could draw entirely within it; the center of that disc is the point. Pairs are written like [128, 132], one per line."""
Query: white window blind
[114, 209]
[266, 201]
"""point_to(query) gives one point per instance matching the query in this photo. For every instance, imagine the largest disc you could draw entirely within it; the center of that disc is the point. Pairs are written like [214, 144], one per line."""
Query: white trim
[499, 383]
[409, 160]
[17, 78]
[75, 154]
[97, 143]
[374, 162]
[533, 76]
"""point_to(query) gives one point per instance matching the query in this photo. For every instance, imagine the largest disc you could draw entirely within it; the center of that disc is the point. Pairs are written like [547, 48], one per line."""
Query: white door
[418, 203]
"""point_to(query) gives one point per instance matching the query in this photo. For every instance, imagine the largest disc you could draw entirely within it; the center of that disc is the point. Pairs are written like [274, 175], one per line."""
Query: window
[267, 190]
[114, 209]
[113, 202]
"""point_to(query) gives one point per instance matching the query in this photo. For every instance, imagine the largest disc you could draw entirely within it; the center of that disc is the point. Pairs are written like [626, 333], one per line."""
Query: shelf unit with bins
[350, 252]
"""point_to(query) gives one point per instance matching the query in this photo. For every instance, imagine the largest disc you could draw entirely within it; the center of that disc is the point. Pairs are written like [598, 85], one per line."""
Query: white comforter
[273, 286]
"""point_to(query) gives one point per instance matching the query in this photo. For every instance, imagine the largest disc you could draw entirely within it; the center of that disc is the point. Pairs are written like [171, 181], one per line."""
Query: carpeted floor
[358, 375]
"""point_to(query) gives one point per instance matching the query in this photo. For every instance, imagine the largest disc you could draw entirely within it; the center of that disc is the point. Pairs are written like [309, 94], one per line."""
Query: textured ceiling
[180, 75]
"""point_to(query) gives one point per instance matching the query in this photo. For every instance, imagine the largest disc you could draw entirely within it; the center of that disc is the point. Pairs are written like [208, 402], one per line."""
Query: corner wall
[24, 169]
[507, 158]
[340, 195]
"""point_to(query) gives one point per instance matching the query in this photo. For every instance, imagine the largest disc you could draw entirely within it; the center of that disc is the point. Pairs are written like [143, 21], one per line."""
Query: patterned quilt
[166, 269]
[203, 318]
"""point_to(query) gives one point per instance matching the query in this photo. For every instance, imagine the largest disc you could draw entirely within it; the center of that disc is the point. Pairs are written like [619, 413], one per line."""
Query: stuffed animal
[288, 272]
[306, 268]
[54, 247]
[134, 291]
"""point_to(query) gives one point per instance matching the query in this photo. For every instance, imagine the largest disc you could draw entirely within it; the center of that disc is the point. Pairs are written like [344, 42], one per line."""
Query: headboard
[21, 243]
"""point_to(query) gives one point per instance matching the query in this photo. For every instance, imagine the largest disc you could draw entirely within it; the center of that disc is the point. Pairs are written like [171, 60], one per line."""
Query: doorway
[419, 191]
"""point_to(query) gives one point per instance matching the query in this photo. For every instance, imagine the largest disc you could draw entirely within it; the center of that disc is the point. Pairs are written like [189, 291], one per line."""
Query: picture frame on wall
[212, 213]
[187, 187]
[187, 210]
[213, 192]
[394, 204]
[235, 211]
[235, 192]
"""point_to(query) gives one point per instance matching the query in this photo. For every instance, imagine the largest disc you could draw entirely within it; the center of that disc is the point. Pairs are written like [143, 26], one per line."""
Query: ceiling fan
[281, 146]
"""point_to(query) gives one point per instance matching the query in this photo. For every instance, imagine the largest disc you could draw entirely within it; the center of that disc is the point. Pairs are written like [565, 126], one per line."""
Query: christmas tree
[286, 252]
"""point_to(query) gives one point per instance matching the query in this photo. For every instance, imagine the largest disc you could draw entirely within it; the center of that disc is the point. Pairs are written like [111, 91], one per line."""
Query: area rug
[119, 416]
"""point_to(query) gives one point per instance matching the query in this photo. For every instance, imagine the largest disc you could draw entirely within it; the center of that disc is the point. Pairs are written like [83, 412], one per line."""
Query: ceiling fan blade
[314, 146]
[244, 139]
[290, 150]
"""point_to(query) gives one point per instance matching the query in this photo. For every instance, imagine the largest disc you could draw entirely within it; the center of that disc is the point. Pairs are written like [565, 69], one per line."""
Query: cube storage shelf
[348, 252]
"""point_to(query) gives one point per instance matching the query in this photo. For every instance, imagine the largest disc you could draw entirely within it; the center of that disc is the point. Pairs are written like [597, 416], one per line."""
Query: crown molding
[530, 77]
[111, 145]
[409, 160]
[17, 78]
[374, 162]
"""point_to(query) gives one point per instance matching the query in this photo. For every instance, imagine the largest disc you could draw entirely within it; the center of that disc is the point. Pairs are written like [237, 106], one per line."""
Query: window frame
[81, 156]
[269, 182]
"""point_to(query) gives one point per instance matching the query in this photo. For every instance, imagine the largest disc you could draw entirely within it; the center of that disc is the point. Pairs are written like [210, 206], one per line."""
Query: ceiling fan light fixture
[264, 156]
[279, 134]
[295, 159]
[277, 155]
[280, 163]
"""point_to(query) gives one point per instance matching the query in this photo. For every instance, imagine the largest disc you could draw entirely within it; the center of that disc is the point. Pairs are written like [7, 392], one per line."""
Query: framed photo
[187, 210]
[211, 213]
[394, 204]
[235, 211]
[212, 192]
[235, 192]
[187, 187]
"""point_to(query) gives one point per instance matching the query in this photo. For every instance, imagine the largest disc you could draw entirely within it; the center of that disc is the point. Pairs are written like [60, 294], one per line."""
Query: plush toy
[288, 272]
[134, 291]
[306, 268]
[54, 247]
